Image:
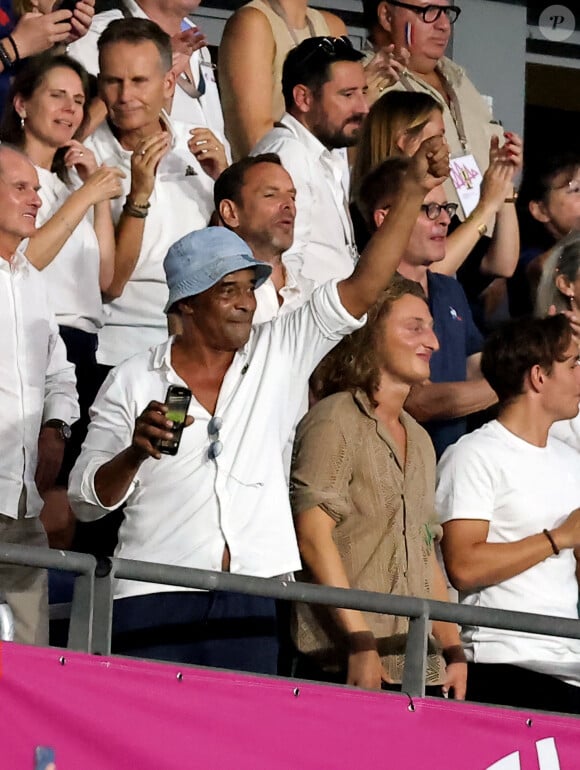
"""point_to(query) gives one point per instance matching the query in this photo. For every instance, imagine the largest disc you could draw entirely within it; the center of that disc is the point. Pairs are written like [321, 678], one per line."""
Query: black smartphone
[177, 402]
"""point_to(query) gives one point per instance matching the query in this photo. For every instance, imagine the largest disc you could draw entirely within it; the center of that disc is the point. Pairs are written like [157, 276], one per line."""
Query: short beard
[335, 140]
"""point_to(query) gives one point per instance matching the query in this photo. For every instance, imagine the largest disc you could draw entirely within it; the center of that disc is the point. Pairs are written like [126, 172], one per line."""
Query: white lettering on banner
[547, 758]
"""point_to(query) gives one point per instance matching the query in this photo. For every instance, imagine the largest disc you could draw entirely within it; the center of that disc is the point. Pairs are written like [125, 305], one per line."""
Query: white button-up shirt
[324, 246]
[205, 110]
[183, 510]
[294, 294]
[37, 383]
[182, 201]
[72, 277]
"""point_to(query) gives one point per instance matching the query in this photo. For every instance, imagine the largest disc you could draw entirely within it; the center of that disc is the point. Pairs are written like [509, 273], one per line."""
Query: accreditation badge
[466, 178]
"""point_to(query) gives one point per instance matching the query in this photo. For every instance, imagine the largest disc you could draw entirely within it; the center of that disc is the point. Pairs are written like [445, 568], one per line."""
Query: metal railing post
[102, 626]
[415, 669]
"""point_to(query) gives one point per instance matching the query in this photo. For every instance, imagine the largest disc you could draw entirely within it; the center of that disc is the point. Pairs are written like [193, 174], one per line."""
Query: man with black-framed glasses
[456, 387]
[423, 29]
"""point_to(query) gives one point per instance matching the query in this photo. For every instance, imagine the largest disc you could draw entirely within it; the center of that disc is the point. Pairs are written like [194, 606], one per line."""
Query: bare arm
[497, 185]
[473, 563]
[314, 529]
[49, 239]
[246, 54]
[336, 25]
[381, 257]
[447, 634]
[447, 400]
[105, 232]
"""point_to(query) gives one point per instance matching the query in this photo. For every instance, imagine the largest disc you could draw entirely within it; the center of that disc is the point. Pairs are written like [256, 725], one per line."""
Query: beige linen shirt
[347, 463]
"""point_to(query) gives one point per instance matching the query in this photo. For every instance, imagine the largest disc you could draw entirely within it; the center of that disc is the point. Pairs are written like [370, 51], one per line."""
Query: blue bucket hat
[200, 259]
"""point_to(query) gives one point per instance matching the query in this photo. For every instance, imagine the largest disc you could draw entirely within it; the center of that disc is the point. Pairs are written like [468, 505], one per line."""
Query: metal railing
[92, 605]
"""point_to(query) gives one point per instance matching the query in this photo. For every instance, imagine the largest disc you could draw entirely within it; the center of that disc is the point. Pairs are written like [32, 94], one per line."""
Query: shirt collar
[161, 354]
[135, 9]
[18, 262]
[306, 137]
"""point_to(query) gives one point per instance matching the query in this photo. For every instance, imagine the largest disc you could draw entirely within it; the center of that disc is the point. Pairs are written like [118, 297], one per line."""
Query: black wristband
[454, 654]
[555, 548]
[361, 641]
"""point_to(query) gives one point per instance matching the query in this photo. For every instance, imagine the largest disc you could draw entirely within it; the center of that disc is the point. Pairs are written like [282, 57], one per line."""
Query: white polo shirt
[182, 201]
[73, 275]
[324, 246]
[182, 510]
[205, 110]
[37, 383]
[520, 489]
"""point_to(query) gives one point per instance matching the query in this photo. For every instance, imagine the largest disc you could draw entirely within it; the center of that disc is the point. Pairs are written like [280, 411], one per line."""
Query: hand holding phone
[177, 402]
[158, 428]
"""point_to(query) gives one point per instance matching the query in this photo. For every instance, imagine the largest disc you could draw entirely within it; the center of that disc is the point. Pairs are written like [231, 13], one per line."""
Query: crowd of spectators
[308, 244]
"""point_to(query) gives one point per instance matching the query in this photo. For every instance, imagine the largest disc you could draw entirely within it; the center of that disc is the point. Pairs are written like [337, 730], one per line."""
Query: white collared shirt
[294, 294]
[324, 246]
[182, 510]
[72, 277]
[37, 383]
[182, 201]
[204, 111]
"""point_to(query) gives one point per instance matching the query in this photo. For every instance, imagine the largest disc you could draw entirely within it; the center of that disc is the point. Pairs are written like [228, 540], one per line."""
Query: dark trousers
[81, 350]
[224, 630]
[507, 685]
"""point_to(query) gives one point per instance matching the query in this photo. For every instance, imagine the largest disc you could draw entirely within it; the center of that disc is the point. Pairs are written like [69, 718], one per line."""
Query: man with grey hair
[38, 396]
[221, 503]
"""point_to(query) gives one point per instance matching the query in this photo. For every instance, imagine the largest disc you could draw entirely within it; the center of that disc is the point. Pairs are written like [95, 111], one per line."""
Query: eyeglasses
[430, 13]
[213, 431]
[331, 46]
[433, 210]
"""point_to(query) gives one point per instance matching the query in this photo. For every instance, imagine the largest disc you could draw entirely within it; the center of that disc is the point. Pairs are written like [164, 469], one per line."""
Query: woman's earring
[22, 122]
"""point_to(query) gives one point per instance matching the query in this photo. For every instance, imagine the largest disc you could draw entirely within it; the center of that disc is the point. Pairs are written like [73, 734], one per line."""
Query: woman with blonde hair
[396, 125]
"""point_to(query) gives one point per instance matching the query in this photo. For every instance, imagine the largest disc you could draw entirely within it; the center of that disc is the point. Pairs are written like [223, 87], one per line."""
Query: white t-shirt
[204, 111]
[182, 201]
[72, 277]
[521, 489]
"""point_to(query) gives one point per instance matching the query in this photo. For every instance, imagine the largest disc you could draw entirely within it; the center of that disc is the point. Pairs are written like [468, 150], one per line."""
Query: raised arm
[100, 185]
[429, 167]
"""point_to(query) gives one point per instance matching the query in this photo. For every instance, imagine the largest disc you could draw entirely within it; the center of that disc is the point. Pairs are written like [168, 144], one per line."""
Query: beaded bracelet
[139, 212]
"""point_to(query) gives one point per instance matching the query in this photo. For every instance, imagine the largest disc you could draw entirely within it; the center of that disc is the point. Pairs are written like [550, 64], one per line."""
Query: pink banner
[114, 714]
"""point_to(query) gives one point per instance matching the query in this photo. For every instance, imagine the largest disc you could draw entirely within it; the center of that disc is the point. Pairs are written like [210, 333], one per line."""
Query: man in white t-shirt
[509, 499]
[170, 171]
[324, 86]
[196, 99]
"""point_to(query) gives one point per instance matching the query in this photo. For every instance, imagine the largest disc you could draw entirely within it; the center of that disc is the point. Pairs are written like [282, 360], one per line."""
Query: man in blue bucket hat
[221, 503]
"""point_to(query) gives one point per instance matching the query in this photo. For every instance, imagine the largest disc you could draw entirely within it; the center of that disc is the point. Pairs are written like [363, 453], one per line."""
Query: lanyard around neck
[279, 11]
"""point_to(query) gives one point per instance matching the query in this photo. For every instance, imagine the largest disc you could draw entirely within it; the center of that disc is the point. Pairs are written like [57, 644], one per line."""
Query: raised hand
[209, 151]
[429, 166]
[144, 163]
